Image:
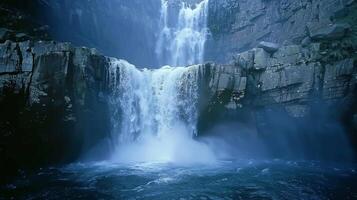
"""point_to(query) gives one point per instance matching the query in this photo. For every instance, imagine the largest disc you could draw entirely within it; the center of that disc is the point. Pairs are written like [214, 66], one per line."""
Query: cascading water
[154, 114]
[182, 38]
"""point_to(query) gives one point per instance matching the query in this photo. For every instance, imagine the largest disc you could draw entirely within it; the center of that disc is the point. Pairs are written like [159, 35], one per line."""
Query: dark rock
[10, 60]
[337, 79]
[22, 37]
[5, 34]
[48, 94]
[332, 32]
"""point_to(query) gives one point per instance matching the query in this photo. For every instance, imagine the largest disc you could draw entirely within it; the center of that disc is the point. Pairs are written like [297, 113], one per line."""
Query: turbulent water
[154, 114]
[226, 180]
[182, 35]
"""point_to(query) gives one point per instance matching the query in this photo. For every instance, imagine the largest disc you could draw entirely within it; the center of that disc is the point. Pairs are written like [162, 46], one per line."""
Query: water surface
[226, 180]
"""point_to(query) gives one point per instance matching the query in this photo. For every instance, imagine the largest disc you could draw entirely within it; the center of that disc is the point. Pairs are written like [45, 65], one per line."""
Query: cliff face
[292, 78]
[239, 25]
[53, 102]
[298, 59]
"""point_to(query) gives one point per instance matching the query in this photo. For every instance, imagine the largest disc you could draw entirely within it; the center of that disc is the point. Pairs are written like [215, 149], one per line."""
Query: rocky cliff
[298, 61]
[53, 102]
[306, 87]
[239, 25]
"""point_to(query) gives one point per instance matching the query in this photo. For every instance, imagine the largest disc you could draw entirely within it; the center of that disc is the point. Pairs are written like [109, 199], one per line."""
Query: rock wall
[299, 62]
[301, 95]
[52, 101]
[292, 77]
[239, 25]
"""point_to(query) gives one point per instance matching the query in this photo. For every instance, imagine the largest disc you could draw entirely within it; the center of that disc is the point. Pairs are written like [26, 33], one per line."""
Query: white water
[181, 42]
[154, 114]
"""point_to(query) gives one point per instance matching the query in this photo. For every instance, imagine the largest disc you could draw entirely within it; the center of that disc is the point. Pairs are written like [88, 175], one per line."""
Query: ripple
[251, 179]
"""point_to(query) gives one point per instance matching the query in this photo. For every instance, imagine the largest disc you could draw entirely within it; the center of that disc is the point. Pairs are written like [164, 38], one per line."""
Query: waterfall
[154, 113]
[182, 38]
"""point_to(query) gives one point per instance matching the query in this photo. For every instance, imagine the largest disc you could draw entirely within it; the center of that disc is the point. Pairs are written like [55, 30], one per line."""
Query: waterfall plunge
[154, 114]
[182, 42]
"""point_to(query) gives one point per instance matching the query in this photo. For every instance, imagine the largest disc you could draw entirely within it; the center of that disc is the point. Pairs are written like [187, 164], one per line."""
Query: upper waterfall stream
[182, 34]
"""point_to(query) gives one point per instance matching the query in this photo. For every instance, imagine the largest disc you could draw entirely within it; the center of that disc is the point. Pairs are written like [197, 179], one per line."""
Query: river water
[250, 179]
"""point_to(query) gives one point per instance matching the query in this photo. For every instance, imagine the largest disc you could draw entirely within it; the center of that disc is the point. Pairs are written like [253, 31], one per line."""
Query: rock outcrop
[301, 98]
[299, 62]
[53, 102]
[292, 77]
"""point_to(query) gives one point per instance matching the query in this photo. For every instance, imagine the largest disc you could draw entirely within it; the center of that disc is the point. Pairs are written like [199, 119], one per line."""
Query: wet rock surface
[305, 84]
[52, 98]
[302, 95]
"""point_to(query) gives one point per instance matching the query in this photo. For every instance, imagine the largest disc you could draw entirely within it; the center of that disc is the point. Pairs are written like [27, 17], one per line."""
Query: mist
[173, 147]
[321, 136]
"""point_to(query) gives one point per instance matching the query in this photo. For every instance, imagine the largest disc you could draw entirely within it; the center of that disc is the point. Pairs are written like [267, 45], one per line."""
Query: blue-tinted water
[227, 180]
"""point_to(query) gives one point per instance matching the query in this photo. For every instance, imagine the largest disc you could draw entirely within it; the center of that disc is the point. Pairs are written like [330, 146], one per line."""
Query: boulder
[332, 32]
[269, 46]
[261, 59]
[244, 60]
